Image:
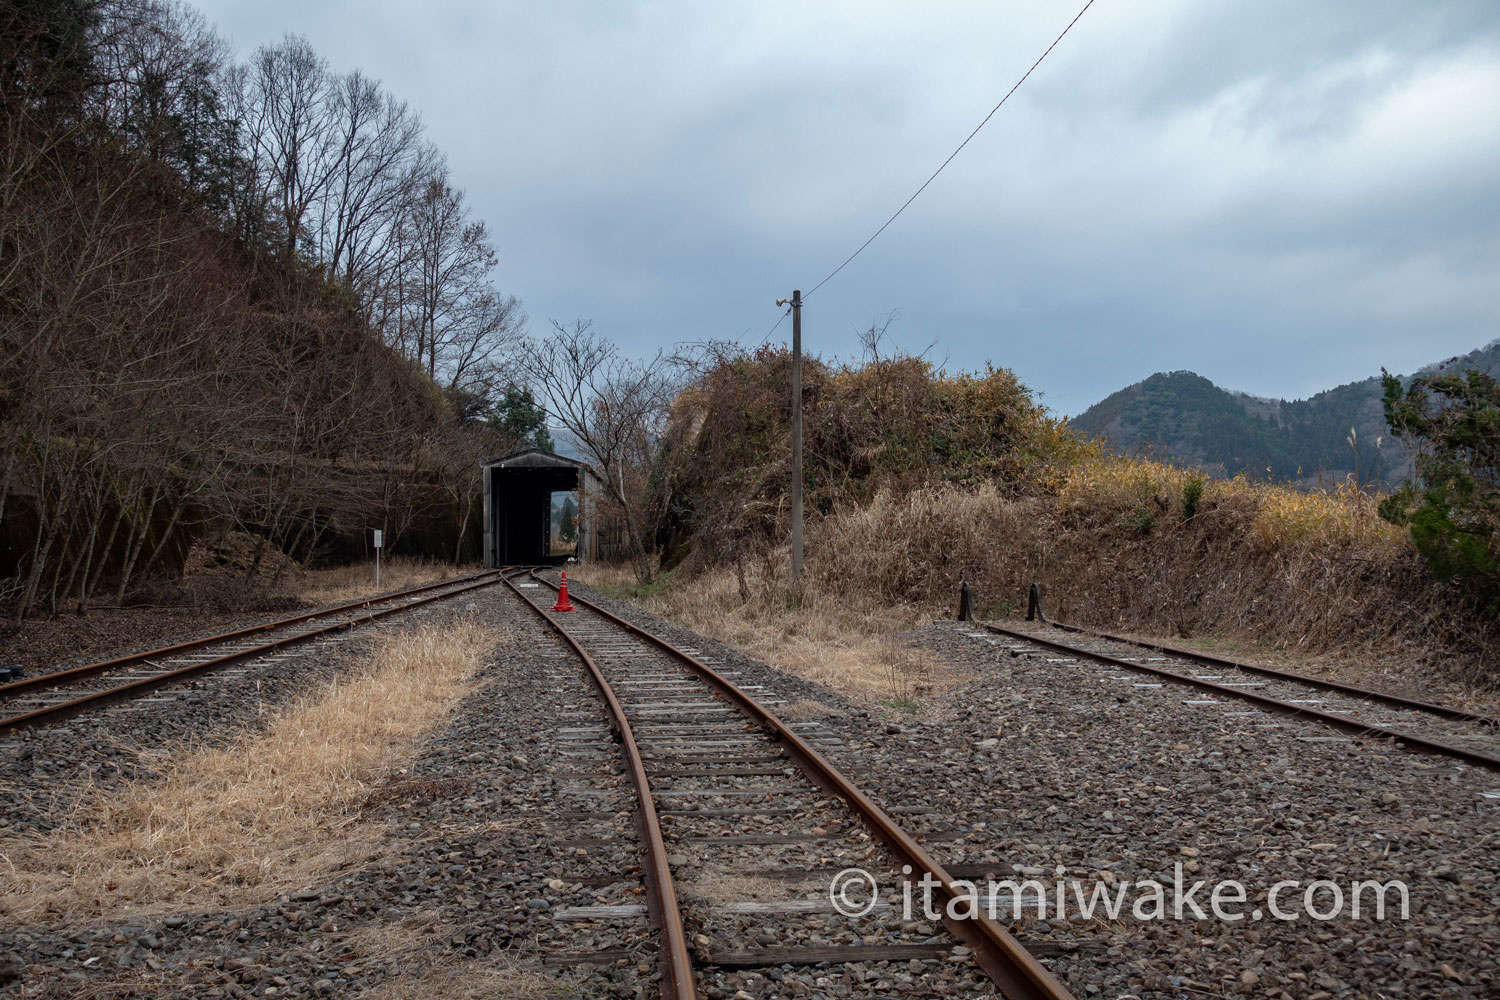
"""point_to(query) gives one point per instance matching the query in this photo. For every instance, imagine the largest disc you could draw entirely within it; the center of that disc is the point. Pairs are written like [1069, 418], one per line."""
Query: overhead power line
[951, 155]
[766, 339]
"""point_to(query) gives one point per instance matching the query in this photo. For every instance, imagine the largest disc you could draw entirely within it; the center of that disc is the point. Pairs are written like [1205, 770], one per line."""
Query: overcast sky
[1282, 195]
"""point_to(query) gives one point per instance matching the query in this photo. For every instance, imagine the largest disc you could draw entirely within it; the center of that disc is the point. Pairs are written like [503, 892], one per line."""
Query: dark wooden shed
[518, 506]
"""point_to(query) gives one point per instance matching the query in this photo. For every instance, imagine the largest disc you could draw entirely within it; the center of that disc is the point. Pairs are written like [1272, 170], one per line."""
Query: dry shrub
[908, 671]
[232, 553]
[1107, 486]
[273, 811]
[890, 422]
[1113, 544]
[1261, 564]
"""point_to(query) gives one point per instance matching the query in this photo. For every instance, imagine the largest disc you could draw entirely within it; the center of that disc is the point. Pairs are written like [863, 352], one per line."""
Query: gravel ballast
[516, 809]
[1040, 764]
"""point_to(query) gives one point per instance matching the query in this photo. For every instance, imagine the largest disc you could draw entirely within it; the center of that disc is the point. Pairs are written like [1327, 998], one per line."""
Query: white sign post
[378, 538]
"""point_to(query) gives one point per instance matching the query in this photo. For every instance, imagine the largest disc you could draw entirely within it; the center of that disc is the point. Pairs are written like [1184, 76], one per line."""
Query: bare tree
[287, 109]
[158, 64]
[615, 407]
[488, 332]
[379, 161]
[450, 261]
[168, 368]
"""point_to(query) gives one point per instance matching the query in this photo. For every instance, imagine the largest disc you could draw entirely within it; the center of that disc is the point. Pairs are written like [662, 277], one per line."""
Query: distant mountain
[566, 445]
[1185, 417]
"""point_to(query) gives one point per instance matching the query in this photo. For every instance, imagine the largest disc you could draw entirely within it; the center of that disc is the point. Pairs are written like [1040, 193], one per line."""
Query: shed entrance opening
[519, 506]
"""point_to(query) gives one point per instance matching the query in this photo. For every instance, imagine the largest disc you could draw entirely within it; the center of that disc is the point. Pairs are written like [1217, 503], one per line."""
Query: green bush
[1139, 521]
[1454, 509]
[1192, 492]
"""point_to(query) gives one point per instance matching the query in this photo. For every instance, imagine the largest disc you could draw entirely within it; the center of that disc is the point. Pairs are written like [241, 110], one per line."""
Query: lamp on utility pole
[796, 303]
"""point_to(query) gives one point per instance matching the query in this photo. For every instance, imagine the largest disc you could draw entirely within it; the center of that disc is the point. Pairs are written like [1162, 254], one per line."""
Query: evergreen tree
[517, 414]
[1454, 513]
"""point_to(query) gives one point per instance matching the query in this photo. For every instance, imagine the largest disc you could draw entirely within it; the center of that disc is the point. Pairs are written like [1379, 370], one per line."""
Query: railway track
[52, 697]
[723, 788]
[1227, 686]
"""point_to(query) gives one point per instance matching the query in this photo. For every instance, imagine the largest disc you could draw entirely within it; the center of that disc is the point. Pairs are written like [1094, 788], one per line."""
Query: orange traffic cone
[562, 596]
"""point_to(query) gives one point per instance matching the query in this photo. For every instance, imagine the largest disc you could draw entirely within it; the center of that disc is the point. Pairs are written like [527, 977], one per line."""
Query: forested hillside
[1316, 441]
[242, 297]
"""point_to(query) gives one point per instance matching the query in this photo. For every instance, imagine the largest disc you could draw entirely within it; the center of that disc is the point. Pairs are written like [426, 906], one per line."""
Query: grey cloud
[1255, 190]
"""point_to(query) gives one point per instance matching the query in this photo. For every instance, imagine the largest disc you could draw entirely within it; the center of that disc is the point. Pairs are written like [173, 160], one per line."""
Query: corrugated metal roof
[533, 458]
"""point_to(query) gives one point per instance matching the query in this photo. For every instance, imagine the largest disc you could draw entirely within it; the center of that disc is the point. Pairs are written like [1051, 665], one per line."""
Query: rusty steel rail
[675, 965]
[1409, 741]
[1208, 660]
[1015, 971]
[89, 669]
[96, 699]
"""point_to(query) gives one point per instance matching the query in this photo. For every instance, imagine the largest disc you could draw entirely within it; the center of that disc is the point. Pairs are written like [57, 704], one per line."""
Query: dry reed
[1260, 565]
[1113, 544]
[243, 822]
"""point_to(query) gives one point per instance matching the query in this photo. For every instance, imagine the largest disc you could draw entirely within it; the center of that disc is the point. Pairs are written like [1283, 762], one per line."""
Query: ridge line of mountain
[1317, 441]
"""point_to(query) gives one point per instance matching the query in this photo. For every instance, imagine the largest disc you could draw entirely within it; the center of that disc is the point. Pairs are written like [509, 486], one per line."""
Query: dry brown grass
[439, 977]
[1260, 565]
[819, 640]
[349, 583]
[1263, 567]
[726, 887]
[415, 932]
[417, 945]
[836, 638]
[273, 811]
[1279, 515]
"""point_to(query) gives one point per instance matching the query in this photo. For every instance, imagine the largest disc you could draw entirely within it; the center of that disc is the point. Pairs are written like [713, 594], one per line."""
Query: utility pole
[797, 446]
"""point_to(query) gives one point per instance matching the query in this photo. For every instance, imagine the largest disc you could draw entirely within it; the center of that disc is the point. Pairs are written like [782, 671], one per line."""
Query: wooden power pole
[797, 446]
